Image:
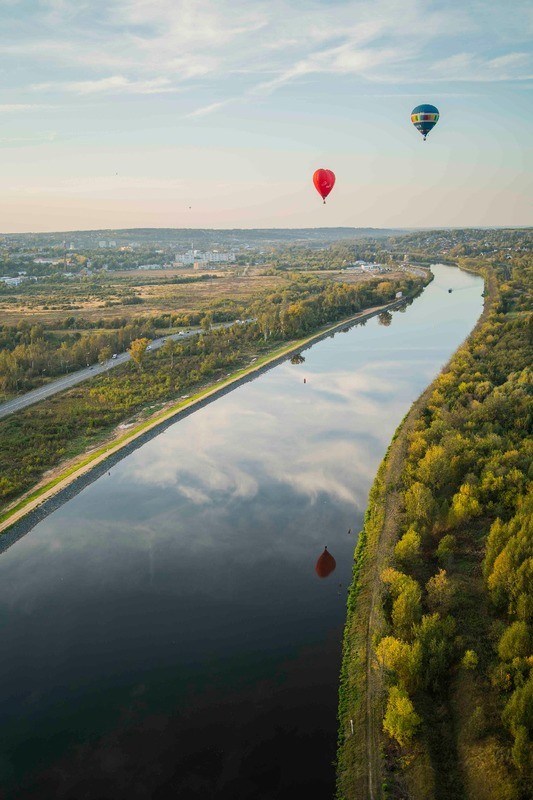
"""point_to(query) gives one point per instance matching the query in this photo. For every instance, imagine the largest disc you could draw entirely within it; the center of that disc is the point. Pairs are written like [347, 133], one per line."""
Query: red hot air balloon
[325, 564]
[324, 180]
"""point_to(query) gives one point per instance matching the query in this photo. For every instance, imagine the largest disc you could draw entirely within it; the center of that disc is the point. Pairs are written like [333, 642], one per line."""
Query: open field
[106, 297]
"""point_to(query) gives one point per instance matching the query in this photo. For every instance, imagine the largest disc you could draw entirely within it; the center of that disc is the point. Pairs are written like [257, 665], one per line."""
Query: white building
[11, 281]
[210, 257]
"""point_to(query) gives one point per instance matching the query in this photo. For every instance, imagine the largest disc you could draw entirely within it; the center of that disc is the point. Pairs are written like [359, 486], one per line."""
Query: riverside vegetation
[437, 672]
[34, 440]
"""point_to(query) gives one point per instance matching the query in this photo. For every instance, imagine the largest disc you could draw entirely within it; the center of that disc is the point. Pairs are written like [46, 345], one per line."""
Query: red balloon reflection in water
[324, 180]
[325, 564]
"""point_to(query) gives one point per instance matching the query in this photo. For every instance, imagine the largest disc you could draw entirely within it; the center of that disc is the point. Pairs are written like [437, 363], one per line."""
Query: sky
[216, 113]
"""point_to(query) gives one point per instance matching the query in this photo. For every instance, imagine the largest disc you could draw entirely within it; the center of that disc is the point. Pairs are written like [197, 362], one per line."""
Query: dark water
[164, 634]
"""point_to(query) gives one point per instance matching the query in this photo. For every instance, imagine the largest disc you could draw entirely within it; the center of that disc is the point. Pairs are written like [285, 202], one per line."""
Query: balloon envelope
[424, 118]
[324, 180]
[325, 564]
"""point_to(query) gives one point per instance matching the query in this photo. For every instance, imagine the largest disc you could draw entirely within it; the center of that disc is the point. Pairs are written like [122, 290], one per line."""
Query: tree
[401, 721]
[419, 503]
[400, 659]
[519, 708]
[515, 641]
[435, 468]
[137, 350]
[469, 660]
[440, 592]
[407, 550]
[446, 549]
[397, 580]
[522, 752]
[169, 350]
[207, 321]
[385, 318]
[406, 610]
[104, 354]
[435, 637]
[465, 505]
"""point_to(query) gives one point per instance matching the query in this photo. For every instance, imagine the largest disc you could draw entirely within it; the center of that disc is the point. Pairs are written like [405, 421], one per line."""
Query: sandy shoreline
[24, 519]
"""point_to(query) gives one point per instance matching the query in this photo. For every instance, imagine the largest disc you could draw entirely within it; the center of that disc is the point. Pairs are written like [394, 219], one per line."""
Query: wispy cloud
[259, 46]
[39, 138]
[209, 109]
[115, 83]
[6, 108]
[468, 67]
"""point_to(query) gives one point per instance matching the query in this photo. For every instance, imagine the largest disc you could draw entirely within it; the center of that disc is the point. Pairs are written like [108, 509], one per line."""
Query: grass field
[106, 296]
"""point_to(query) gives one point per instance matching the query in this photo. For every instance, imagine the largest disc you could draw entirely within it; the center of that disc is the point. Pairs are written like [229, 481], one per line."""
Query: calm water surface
[164, 634]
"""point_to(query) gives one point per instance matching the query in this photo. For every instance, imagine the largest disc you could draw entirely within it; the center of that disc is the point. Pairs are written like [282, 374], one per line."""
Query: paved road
[74, 378]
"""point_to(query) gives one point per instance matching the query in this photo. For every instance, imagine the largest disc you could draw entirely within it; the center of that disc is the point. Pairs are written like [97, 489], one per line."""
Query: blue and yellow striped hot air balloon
[425, 117]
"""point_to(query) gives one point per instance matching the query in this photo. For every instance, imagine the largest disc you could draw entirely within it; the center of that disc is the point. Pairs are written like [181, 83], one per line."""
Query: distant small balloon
[325, 565]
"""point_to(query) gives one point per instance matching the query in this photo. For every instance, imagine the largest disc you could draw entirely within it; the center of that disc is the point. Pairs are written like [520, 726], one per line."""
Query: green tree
[401, 721]
[406, 610]
[519, 708]
[469, 660]
[446, 549]
[401, 660]
[434, 635]
[407, 550]
[419, 503]
[207, 321]
[465, 505]
[515, 641]
[397, 580]
[522, 752]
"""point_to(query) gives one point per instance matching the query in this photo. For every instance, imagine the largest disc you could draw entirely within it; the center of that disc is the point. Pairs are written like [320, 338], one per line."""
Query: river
[164, 633]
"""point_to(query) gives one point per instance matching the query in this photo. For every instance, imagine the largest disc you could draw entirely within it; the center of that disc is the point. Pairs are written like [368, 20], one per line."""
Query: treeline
[456, 652]
[28, 357]
[36, 439]
[334, 257]
[31, 354]
[324, 302]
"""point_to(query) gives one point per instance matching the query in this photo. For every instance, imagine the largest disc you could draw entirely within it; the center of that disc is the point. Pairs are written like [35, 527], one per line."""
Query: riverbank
[51, 493]
[362, 688]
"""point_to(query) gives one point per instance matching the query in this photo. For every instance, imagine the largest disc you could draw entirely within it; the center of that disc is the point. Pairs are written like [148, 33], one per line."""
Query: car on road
[115, 355]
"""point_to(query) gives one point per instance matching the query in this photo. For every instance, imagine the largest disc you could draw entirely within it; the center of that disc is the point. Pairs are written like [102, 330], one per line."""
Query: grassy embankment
[437, 644]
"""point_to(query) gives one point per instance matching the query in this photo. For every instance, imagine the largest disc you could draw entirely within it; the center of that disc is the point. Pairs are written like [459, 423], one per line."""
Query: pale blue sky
[125, 113]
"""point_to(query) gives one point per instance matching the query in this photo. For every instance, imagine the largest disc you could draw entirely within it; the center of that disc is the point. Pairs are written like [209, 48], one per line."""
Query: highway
[67, 381]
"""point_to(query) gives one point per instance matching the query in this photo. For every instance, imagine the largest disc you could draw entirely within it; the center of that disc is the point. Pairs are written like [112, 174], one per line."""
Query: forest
[448, 540]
